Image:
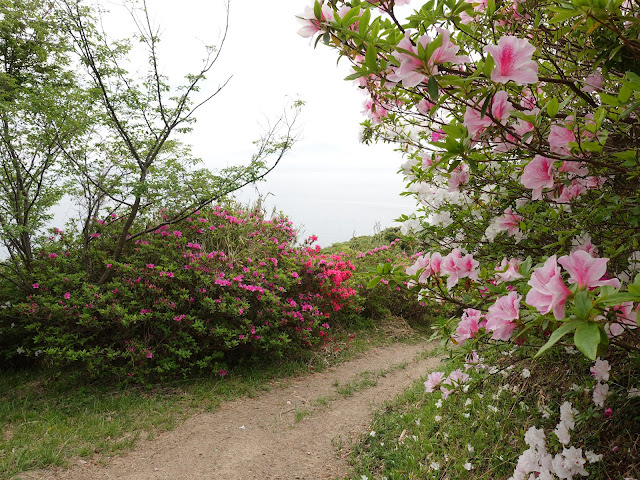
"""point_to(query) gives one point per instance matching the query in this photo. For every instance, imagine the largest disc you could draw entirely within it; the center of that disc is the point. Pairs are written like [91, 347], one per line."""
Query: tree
[42, 111]
[142, 116]
[109, 138]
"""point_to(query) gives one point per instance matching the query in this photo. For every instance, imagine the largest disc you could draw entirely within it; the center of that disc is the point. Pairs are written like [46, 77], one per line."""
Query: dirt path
[287, 433]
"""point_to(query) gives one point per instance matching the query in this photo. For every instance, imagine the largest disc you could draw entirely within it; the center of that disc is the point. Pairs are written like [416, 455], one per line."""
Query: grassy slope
[480, 434]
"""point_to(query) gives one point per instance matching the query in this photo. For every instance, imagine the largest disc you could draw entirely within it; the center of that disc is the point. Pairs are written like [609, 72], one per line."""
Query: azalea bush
[383, 300]
[518, 121]
[196, 296]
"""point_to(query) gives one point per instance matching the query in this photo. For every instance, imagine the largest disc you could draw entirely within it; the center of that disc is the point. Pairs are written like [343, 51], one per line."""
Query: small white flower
[20, 350]
[437, 418]
[467, 466]
[592, 457]
[439, 403]
[467, 402]
[417, 421]
[364, 477]
[470, 448]
[492, 408]
[526, 373]
[435, 466]
[372, 433]
[466, 415]
[480, 395]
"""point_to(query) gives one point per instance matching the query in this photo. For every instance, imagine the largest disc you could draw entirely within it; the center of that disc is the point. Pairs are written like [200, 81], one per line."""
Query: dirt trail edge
[287, 433]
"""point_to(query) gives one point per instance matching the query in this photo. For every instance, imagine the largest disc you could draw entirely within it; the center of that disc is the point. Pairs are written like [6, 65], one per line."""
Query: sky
[329, 184]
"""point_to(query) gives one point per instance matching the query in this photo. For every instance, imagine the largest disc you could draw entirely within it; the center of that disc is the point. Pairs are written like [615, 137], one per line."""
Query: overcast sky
[329, 182]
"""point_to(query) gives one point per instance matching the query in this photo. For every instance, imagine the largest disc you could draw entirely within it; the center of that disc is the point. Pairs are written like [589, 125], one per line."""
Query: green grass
[301, 413]
[48, 418]
[366, 379]
[480, 434]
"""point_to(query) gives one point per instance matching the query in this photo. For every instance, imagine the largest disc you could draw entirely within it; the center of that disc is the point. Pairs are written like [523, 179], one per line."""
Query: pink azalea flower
[600, 370]
[424, 107]
[457, 378]
[438, 135]
[510, 222]
[458, 267]
[422, 265]
[587, 271]
[409, 70]
[67, 295]
[459, 177]
[583, 242]
[433, 380]
[600, 392]
[436, 262]
[468, 325]
[513, 61]
[548, 291]
[36, 285]
[538, 174]
[626, 319]
[501, 316]
[594, 82]
[446, 53]
[311, 25]
[474, 123]
[465, 18]
[501, 107]
[559, 138]
[577, 168]
[507, 270]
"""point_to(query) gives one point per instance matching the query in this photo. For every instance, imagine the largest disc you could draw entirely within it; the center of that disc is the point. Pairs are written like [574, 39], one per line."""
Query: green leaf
[485, 105]
[488, 66]
[317, 10]
[373, 282]
[587, 339]
[635, 289]
[370, 59]
[564, 15]
[351, 16]
[364, 22]
[624, 94]
[525, 267]
[617, 299]
[552, 107]
[582, 305]
[432, 88]
[609, 99]
[557, 334]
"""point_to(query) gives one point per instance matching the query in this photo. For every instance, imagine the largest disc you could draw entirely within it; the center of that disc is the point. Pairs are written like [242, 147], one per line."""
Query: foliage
[43, 111]
[519, 124]
[478, 432]
[215, 288]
